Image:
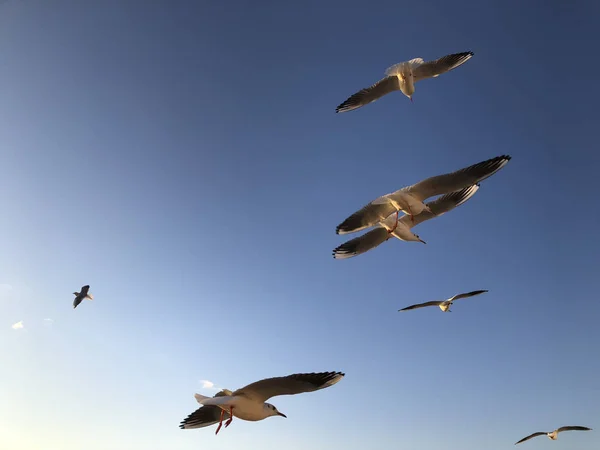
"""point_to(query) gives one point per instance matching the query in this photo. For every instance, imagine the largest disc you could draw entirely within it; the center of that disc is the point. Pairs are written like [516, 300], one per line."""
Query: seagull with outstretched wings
[444, 304]
[402, 77]
[80, 296]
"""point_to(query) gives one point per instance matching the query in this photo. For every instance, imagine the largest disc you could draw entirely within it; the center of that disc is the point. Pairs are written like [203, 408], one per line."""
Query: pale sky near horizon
[184, 159]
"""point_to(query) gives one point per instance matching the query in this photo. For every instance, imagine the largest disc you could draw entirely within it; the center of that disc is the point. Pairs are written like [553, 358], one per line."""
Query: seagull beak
[421, 240]
[410, 98]
[281, 414]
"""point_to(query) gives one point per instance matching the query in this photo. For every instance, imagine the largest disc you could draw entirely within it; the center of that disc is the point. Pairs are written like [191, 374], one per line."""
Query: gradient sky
[184, 158]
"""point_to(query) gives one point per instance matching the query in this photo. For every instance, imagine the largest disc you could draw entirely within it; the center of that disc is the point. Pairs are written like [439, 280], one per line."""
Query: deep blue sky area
[185, 160]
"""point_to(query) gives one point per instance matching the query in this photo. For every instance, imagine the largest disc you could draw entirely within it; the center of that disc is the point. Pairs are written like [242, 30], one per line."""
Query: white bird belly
[407, 86]
[246, 409]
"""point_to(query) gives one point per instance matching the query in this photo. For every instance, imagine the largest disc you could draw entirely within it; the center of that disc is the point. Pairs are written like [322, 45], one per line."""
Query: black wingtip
[344, 250]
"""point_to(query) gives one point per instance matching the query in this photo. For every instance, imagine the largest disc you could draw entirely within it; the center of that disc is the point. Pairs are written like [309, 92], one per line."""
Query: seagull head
[417, 238]
[271, 410]
[75, 293]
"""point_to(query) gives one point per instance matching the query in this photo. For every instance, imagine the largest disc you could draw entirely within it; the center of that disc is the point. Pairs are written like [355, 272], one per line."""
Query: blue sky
[185, 160]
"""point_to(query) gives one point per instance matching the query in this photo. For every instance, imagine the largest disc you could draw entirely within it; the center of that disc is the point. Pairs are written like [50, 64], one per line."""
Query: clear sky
[184, 158]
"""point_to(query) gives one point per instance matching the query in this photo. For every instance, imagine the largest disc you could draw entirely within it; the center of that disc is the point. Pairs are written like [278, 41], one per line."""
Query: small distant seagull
[206, 415]
[80, 296]
[444, 304]
[249, 403]
[410, 199]
[554, 434]
[401, 228]
[402, 77]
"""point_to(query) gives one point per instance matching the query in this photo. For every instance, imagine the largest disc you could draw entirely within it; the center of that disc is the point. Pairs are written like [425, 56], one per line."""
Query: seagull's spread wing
[439, 66]
[84, 290]
[422, 305]
[370, 214]
[78, 300]
[206, 415]
[442, 205]
[451, 182]
[362, 244]
[290, 385]
[370, 94]
[203, 417]
[539, 433]
[467, 294]
[573, 428]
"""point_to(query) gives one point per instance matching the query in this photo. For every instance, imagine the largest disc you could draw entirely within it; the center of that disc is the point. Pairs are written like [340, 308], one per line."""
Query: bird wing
[206, 415]
[370, 214]
[361, 244]
[84, 290]
[466, 295]
[573, 428]
[422, 305]
[441, 205]
[539, 433]
[442, 65]
[203, 417]
[370, 94]
[78, 300]
[451, 182]
[289, 385]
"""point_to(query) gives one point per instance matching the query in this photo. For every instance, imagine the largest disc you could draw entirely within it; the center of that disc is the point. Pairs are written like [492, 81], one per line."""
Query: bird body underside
[445, 306]
[243, 407]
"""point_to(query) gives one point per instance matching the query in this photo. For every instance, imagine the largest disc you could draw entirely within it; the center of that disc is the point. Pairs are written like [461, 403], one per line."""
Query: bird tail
[401, 67]
[200, 398]
[89, 297]
[218, 401]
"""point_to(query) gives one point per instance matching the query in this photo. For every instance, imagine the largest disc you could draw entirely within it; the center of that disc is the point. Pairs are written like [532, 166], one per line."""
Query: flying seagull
[249, 403]
[554, 434]
[410, 199]
[206, 415]
[80, 296]
[401, 228]
[444, 304]
[402, 77]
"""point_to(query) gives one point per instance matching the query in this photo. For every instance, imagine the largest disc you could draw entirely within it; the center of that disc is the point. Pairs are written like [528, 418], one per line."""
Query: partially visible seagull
[80, 296]
[444, 304]
[402, 77]
[554, 434]
[249, 403]
[410, 199]
[206, 415]
[401, 228]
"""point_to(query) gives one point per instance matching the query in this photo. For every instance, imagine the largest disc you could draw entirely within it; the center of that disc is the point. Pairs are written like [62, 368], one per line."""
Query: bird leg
[411, 215]
[395, 225]
[230, 417]
[220, 421]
